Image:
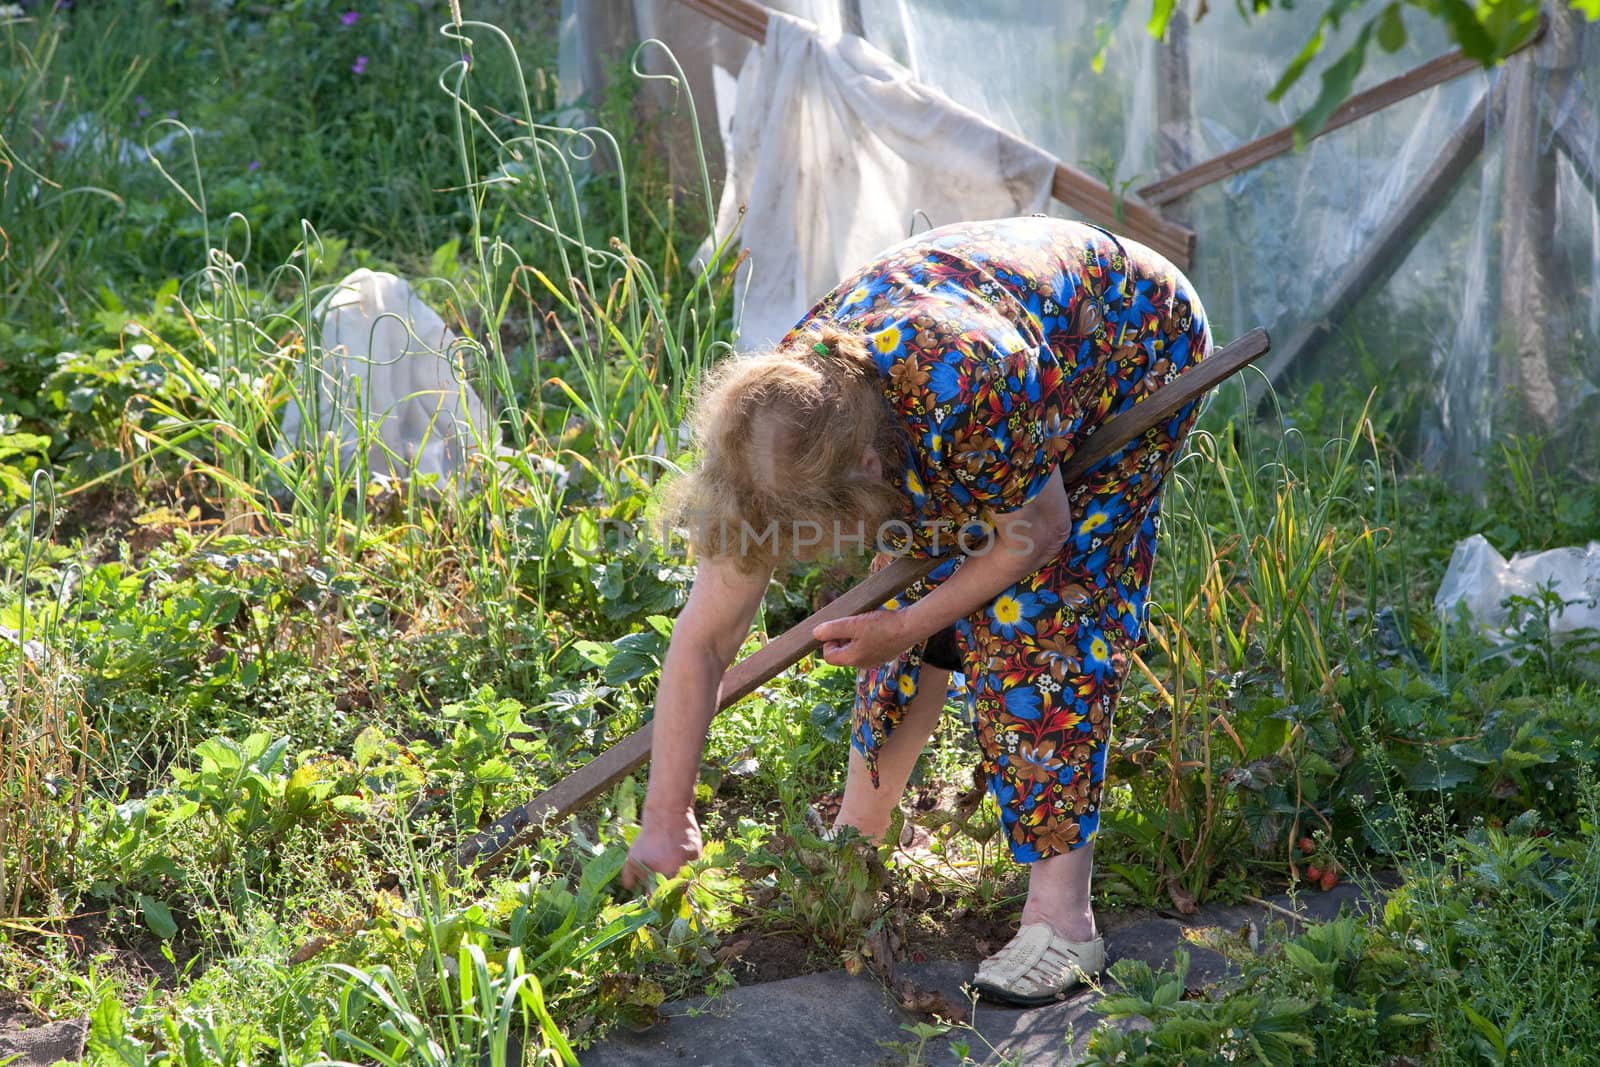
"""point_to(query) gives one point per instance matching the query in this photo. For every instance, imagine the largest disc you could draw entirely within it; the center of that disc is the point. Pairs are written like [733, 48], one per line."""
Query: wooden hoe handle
[491, 845]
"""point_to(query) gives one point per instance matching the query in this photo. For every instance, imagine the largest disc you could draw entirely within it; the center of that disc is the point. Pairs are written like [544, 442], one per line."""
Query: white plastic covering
[1272, 238]
[388, 381]
[1484, 581]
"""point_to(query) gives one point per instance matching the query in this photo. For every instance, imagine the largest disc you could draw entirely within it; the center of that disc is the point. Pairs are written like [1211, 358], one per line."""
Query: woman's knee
[933, 686]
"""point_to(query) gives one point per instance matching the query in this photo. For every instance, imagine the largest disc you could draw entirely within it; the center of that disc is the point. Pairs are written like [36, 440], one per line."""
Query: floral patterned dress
[1002, 345]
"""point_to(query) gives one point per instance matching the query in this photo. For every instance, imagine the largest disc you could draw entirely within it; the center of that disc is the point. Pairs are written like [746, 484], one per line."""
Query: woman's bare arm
[705, 639]
[1023, 541]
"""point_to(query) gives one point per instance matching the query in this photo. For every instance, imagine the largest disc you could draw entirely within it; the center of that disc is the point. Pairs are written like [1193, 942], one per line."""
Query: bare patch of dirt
[14, 1015]
[100, 519]
[97, 517]
[35, 1041]
[755, 955]
[29, 1041]
[133, 950]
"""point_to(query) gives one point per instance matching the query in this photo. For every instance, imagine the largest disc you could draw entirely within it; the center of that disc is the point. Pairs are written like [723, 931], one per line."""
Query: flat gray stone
[835, 1020]
[1054, 1033]
[829, 1020]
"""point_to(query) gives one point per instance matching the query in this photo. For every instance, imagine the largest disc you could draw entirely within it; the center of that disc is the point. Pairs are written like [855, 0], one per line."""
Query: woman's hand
[665, 843]
[866, 640]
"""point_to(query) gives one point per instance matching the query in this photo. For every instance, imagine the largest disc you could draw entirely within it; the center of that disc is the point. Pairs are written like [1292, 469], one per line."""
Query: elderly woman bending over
[927, 404]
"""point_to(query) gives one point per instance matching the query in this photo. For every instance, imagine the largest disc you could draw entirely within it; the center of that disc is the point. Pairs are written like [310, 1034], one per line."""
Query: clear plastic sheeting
[1479, 322]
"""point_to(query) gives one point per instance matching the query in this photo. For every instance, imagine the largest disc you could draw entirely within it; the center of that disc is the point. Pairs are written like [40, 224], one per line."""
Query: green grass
[252, 701]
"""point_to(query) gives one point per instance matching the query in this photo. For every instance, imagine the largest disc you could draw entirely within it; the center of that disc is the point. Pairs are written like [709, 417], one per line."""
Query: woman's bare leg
[1058, 894]
[867, 809]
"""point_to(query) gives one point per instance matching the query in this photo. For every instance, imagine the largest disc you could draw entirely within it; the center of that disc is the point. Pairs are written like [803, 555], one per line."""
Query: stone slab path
[40, 1044]
[835, 1020]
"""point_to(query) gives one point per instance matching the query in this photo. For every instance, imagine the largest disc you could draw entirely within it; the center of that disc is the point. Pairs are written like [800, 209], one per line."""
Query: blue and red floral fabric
[1002, 345]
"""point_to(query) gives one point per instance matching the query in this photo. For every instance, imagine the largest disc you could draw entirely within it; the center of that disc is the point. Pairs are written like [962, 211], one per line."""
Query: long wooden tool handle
[489, 846]
[1190, 385]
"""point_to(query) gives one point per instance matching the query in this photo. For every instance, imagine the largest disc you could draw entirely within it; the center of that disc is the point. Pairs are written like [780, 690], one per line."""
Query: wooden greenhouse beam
[1174, 108]
[1434, 72]
[748, 18]
[1531, 288]
[1077, 189]
[1392, 239]
[1085, 193]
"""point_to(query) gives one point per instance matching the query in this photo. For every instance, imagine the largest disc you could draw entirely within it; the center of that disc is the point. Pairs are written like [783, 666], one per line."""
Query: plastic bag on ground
[1486, 583]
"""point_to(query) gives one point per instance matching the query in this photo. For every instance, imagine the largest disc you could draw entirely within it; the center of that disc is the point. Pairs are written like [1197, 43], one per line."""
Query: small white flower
[10, 11]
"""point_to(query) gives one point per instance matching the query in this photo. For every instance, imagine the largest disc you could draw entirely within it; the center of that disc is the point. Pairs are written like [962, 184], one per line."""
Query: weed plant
[45, 751]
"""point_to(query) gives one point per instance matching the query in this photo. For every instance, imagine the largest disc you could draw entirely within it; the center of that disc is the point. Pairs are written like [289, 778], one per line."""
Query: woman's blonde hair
[780, 438]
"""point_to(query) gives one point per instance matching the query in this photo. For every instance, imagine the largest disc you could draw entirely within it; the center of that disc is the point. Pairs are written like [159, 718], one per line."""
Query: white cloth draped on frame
[834, 148]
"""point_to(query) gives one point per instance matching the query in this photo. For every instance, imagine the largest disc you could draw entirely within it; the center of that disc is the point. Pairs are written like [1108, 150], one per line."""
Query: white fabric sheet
[835, 149]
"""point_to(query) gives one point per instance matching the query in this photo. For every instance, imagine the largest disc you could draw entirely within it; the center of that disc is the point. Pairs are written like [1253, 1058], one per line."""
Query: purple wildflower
[255, 165]
[359, 66]
[349, 18]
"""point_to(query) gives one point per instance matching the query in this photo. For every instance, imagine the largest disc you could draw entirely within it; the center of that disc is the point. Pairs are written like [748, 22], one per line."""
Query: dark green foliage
[1487, 32]
[1487, 953]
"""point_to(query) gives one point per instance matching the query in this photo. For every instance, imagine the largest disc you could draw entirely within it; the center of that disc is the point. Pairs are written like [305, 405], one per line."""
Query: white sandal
[1038, 967]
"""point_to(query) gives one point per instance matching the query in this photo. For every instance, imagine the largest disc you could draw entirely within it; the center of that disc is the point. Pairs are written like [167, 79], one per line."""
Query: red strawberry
[1313, 873]
[1307, 845]
[1330, 878]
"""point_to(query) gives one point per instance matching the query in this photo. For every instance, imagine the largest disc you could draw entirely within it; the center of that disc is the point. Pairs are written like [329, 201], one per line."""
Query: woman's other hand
[665, 843]
[864, 640]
